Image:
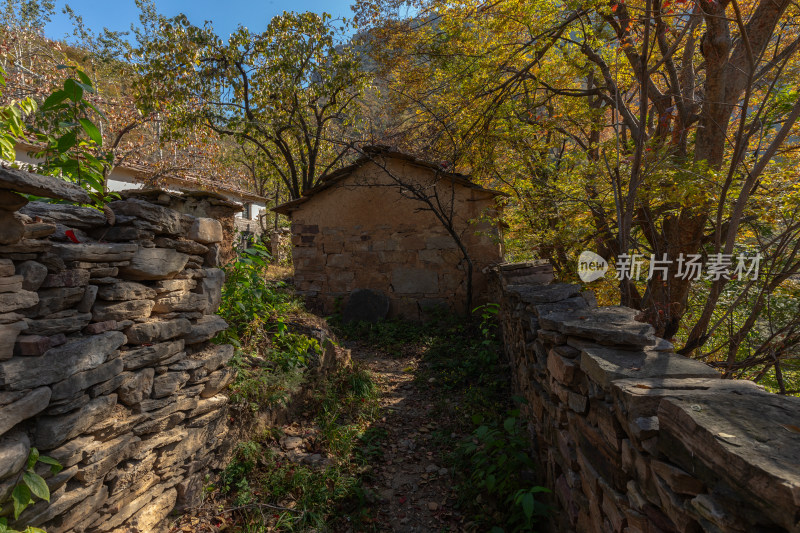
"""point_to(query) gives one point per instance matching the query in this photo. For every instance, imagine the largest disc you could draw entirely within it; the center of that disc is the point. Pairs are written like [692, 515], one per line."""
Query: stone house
[363, 227]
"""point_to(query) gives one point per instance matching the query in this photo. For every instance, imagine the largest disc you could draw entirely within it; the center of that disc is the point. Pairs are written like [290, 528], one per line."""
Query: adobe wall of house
[359, 235]
[105, 359]
[632, 437]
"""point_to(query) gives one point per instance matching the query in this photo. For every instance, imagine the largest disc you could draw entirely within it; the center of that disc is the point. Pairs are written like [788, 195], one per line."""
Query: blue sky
[225, 14]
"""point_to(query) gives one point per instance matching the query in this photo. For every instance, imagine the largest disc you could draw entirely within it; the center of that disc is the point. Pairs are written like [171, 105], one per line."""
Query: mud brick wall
[632, 437]
[363, 233]
[105, 359]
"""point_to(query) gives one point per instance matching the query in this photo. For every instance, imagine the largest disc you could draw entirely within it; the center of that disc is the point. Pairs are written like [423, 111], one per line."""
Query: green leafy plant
[29, 485]
[71, 142]
[497, 456]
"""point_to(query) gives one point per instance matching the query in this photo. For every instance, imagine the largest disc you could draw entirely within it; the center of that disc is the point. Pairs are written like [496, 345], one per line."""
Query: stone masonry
[105, 359]
[634, 438]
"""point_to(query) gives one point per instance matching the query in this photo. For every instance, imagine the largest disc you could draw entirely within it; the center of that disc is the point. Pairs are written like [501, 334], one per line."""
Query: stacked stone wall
[632, 437]
[105, 359]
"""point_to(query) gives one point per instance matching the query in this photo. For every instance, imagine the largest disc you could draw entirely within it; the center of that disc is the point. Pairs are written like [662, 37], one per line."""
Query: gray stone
[89, 297]
[12, 301]
[83, 380]
[52, 326]
[28, 183]
[52, 301]
[162, 219]
[75, 520]
[136, 387]
[76, 356]
[544, 294]
[213, 257]
[181, 245]
[75, 277]
[206, 231]
[104, 456]
[29, 405]
[10, 283]
[157, 331]
[604, 365]
[612, 326]
[205, 329]
[154, 264]
[39, 230]
[52, 431]
[174, 285]
[122, 234]
[150, 355]
[95, 252]
[65, 406]
[750, 442]
[72, 216]
[14, 449]
[154, 513]
[126, 290]
[169, 383]
[365, 305]
[127, 310]
[72, 452]
[414, 281]
[60, 502]
[218, 381]
[182, 301]
[210, 359]
[8, 338]
[11, 229]
[211, 288]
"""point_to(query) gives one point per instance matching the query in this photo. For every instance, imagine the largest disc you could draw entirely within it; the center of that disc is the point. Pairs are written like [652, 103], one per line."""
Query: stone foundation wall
[415, 266]
[634, 438]
[105, 359]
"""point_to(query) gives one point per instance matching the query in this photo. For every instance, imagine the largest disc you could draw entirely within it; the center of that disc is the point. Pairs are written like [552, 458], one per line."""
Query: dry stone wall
[634, 438]
[105, 359]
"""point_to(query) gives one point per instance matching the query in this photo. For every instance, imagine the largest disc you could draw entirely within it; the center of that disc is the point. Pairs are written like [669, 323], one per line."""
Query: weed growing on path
[479, 434]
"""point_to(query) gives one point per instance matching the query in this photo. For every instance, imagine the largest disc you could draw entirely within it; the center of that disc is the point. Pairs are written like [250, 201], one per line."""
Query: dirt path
[410, 487]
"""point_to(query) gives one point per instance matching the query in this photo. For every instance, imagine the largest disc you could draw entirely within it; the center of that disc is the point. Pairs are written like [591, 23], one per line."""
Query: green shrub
[496, 455]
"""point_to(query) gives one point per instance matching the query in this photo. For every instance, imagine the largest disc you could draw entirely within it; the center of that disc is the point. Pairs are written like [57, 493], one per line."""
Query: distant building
[357, 230]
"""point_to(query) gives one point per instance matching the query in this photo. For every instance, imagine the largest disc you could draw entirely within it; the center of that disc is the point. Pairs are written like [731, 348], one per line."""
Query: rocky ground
[407, 484]
[412, 490]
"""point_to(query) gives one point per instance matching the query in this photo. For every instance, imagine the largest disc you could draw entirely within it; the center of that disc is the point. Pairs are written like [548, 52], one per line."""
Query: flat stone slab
[72, 216]
[750, 441]
[162, 219]
[154, 264]
[95, 252]
[605, 365]
[545, 294]
[49, 187]
[640, 397]
[612, 326]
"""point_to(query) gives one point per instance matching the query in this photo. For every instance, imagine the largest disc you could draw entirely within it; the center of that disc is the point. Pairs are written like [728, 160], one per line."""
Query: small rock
[291, 443]
[433, 506]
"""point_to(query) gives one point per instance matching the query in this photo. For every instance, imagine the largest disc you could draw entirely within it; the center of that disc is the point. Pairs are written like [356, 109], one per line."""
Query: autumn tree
[289, 92]
[663, 128]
